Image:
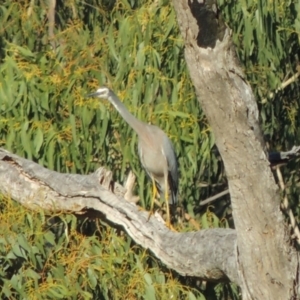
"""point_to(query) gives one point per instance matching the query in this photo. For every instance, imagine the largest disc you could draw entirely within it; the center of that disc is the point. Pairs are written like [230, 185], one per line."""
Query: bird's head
[103, 92]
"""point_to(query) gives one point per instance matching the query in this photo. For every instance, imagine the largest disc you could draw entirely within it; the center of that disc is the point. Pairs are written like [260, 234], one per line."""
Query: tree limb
[208, 254]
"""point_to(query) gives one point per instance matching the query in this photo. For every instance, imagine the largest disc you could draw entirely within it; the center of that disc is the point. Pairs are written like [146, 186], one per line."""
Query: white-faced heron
[156, 152]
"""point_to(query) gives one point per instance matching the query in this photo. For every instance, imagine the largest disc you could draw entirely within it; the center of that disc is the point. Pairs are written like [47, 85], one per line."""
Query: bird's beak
[92, 95]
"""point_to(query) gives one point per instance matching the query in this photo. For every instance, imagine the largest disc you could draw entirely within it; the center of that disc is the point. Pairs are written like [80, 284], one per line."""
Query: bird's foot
[170, 226]
[167, 223]
[150, 214]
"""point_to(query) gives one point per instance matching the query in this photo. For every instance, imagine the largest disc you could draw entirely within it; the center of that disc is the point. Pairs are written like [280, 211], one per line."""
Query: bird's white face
[102, 92]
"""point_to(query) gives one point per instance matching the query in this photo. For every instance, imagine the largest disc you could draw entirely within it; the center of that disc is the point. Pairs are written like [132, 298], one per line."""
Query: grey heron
[155, 150]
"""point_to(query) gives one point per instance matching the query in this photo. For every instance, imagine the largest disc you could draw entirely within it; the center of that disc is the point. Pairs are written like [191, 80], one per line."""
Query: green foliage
[45, 258]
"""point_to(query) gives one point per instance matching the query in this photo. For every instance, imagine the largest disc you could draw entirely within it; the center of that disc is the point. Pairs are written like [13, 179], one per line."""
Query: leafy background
[135, 48]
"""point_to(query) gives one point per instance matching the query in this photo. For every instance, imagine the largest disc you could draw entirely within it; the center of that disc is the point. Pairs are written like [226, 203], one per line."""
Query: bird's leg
[168, 223]
[168, 209]
[167, 194]
[154, 193]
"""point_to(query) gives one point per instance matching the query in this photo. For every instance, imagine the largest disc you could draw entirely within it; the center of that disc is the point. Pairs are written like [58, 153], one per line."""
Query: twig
[283, 86]
[51, 23]
[129, 184]
[214, 198]
[30, 8]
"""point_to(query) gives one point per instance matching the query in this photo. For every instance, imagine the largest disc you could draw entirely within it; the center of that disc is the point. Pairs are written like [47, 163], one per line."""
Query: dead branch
[207, 254]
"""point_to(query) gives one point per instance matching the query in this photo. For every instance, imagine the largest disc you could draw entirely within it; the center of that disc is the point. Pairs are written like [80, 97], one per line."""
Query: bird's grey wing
[141, 155]
[173, 176]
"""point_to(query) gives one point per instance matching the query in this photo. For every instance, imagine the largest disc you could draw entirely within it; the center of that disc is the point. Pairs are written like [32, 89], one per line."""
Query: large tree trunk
[267, 264]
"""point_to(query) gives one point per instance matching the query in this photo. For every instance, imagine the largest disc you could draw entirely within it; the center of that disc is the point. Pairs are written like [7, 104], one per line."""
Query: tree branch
[207, 254]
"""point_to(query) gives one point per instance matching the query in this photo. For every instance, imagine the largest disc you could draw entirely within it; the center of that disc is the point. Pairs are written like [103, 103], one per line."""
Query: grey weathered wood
[267, 264]
[207, 254]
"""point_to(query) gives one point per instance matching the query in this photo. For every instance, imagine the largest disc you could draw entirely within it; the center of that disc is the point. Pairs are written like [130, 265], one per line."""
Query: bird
[156, 153]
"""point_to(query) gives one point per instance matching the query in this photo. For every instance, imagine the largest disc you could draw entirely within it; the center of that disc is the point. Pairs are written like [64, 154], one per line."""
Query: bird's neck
[132, 121]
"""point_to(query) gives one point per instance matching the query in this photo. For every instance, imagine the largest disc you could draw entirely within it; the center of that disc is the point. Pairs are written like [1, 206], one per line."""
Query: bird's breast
[152, 159]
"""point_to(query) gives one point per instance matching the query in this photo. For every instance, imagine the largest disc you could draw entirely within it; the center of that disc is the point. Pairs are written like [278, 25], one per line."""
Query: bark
[207, 254]
[267, 263]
